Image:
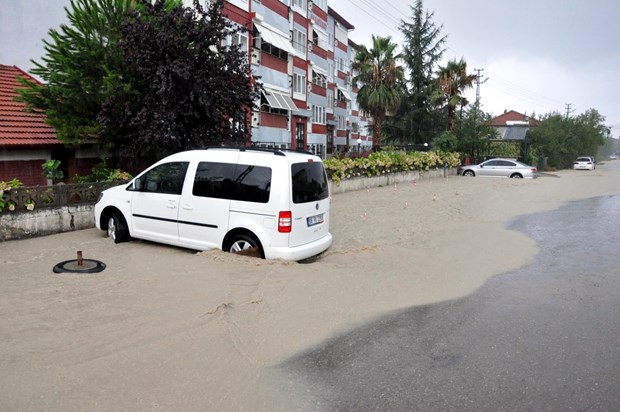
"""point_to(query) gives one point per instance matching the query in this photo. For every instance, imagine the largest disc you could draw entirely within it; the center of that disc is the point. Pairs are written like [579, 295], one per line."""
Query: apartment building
[302, 53]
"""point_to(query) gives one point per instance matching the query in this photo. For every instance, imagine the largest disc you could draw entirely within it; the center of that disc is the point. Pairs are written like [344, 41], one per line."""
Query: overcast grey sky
[538, 55]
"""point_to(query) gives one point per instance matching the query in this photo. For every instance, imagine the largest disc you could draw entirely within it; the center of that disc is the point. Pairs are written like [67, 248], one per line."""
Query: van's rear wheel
[245, 244]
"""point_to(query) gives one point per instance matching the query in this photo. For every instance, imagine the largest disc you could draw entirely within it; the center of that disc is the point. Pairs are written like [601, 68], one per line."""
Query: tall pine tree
[417, 121]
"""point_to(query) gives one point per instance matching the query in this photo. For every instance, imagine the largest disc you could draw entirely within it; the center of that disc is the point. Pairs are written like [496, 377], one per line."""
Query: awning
[319, 70]
[344, 92]
[279, 100]
[275, 38]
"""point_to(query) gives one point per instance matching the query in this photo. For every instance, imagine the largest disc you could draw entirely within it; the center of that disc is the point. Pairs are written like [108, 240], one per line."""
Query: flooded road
[544, 337]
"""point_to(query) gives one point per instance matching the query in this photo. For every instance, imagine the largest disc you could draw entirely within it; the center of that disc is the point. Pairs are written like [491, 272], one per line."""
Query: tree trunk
[377, 131]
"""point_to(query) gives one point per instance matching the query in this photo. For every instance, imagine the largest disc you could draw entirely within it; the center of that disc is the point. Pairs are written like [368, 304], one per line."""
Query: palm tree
[453, 80]
[381, 78]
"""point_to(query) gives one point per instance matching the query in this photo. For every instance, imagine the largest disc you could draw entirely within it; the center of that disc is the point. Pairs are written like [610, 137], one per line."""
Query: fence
[28, 198]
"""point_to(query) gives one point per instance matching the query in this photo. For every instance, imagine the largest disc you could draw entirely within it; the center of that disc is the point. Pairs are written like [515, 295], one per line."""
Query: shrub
[5, 187]
[378, 163]
[102, 173]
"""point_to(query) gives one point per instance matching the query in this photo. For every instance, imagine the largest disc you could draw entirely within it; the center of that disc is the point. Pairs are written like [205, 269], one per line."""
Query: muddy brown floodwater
[163, 328]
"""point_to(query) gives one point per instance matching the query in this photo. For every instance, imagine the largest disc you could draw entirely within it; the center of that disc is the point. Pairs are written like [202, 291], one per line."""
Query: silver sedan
[500, 168]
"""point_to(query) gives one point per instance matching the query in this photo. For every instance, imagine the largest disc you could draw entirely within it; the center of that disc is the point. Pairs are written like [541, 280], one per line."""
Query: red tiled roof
[512, 116]
[17, 126]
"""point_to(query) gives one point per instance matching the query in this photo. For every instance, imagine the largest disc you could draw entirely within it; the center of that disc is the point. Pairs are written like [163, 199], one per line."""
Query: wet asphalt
[545, 337]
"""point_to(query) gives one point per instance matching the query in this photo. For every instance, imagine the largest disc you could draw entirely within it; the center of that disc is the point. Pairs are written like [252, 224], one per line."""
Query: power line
[504, 86]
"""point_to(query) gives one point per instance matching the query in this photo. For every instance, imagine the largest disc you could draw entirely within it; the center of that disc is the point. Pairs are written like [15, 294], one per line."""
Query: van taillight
[285, 220]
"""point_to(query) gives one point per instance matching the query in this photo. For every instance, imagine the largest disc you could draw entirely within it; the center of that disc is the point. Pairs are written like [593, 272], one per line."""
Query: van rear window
[309, 182]
[235, 182]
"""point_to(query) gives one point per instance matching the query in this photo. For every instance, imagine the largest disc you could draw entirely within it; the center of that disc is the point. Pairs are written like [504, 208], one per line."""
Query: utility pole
[568, 110]
[478, 83]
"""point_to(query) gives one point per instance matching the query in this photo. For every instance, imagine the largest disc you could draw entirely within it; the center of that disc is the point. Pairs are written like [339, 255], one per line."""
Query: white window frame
[300, 41]
[342, 123]
[299, 86]
[240, 38]
[330, 100]
[322, 4]
[318, 115]
[301, 4]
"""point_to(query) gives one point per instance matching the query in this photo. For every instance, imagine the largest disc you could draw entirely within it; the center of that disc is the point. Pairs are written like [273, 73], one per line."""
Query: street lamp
[359, 142]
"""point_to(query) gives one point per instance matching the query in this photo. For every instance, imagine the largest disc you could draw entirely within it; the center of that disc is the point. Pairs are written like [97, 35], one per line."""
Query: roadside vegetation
[388, 161]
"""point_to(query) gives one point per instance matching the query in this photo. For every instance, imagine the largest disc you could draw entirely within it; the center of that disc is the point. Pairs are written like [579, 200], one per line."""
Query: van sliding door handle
[188, 207]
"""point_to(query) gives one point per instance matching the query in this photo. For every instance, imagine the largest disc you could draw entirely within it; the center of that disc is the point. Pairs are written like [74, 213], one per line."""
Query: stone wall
[43, 222]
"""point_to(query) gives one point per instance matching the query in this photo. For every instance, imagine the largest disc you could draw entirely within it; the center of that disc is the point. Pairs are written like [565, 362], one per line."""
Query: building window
[342, 123]
[318, 114]
[299, 41]
[319, 79]
[299, 84]
[322, 4]
[330, 99]
[341, 64]
[239, 39]
[300, 3]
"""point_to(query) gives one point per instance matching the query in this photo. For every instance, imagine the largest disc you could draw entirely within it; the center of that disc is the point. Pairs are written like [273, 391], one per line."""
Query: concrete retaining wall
[363, 182]
[67, 218]
[45, 222]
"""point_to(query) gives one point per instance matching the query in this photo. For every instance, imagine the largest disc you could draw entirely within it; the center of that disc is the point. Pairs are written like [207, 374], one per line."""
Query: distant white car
[500, 168]
[584, 163]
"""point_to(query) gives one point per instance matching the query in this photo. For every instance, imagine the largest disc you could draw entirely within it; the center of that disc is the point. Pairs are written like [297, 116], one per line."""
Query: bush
[102, 173]
[5, 187]
[383, 162]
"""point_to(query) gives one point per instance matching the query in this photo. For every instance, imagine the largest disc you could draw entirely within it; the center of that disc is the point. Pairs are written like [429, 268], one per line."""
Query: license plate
[315, 220]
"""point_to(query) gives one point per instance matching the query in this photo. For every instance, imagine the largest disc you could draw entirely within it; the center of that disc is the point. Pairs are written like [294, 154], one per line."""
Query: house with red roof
[512, 125]
[27, 141]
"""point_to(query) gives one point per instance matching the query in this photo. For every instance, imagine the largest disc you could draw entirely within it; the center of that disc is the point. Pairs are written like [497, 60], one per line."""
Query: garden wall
[363, 182]
[41, 222]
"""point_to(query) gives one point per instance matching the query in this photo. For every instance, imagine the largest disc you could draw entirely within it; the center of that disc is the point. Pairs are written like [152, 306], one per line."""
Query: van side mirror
[137, 184]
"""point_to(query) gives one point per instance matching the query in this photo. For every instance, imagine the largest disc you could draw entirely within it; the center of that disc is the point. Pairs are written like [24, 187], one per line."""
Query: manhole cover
[79, 265]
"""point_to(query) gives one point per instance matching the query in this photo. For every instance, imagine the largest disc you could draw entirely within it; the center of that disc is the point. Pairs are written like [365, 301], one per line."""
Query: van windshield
[309, 182]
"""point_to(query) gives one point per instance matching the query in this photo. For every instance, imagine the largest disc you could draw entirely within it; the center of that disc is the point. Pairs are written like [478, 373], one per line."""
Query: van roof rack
[275, 150]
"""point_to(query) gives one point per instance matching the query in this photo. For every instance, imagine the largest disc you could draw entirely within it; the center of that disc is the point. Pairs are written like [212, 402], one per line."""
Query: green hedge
[379, 163]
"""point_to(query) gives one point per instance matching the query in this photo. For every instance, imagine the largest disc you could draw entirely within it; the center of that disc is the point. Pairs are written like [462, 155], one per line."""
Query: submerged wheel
[245, 244]
[516, 176]
[468, 173]
[117, 228]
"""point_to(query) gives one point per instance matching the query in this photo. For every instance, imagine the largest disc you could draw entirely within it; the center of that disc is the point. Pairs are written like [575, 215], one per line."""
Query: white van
[232, 199]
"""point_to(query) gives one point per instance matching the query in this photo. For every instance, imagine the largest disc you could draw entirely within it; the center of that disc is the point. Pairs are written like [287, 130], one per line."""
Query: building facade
[301, 51]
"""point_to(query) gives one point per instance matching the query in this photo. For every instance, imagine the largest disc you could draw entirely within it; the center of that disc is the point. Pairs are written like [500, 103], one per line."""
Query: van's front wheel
[117, 228]
[245, 244]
